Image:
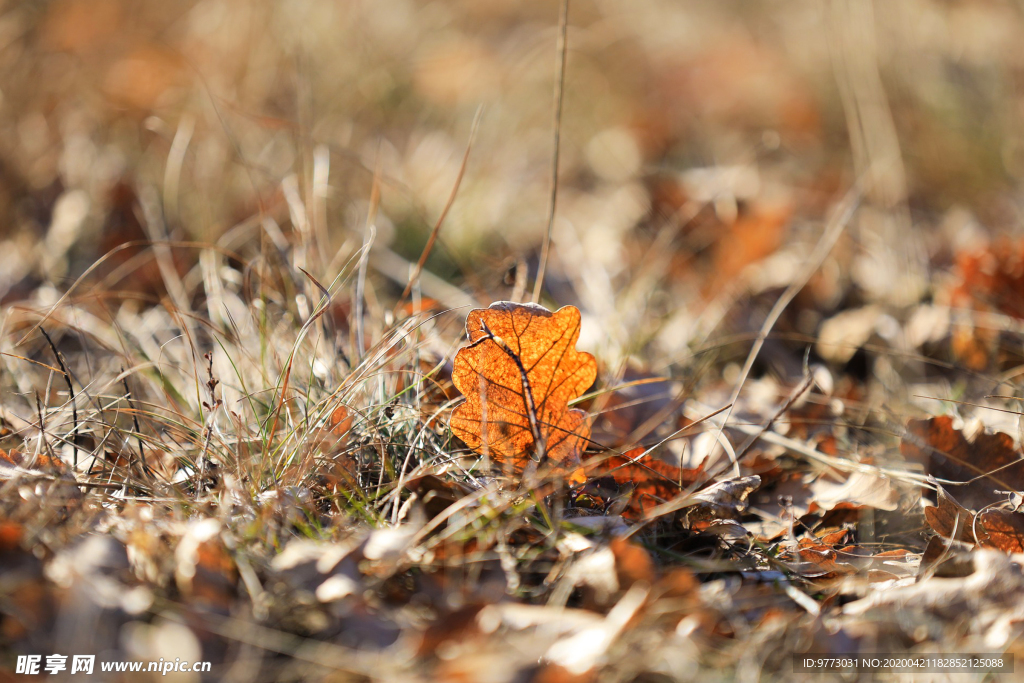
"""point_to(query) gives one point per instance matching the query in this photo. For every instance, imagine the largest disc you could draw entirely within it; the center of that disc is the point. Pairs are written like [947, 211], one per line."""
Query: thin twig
[42, 426]
[212, 406]
[135, 422]
[563, 45]
[71, 392]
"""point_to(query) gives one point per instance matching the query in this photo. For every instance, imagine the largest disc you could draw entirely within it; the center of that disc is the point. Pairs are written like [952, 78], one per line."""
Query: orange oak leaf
[518, 375]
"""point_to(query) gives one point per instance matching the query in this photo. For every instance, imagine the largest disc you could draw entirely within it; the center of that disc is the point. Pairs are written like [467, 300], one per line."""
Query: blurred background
[703, 145]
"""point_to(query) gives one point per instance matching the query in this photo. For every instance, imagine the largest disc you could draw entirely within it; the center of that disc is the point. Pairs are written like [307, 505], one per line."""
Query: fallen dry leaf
[949, 517]
[996, 528]
[518, 375]
[723, 499]
[987, 465]
[824, 559]
[860, 488]
[652, 481]
[1002, 529]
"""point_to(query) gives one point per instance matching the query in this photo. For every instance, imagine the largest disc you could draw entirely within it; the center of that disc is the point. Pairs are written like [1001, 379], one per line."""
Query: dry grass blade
[563, 49]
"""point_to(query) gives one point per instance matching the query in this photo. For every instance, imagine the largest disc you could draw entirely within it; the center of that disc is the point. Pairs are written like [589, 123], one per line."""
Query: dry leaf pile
[537, 552]
[257, 407]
